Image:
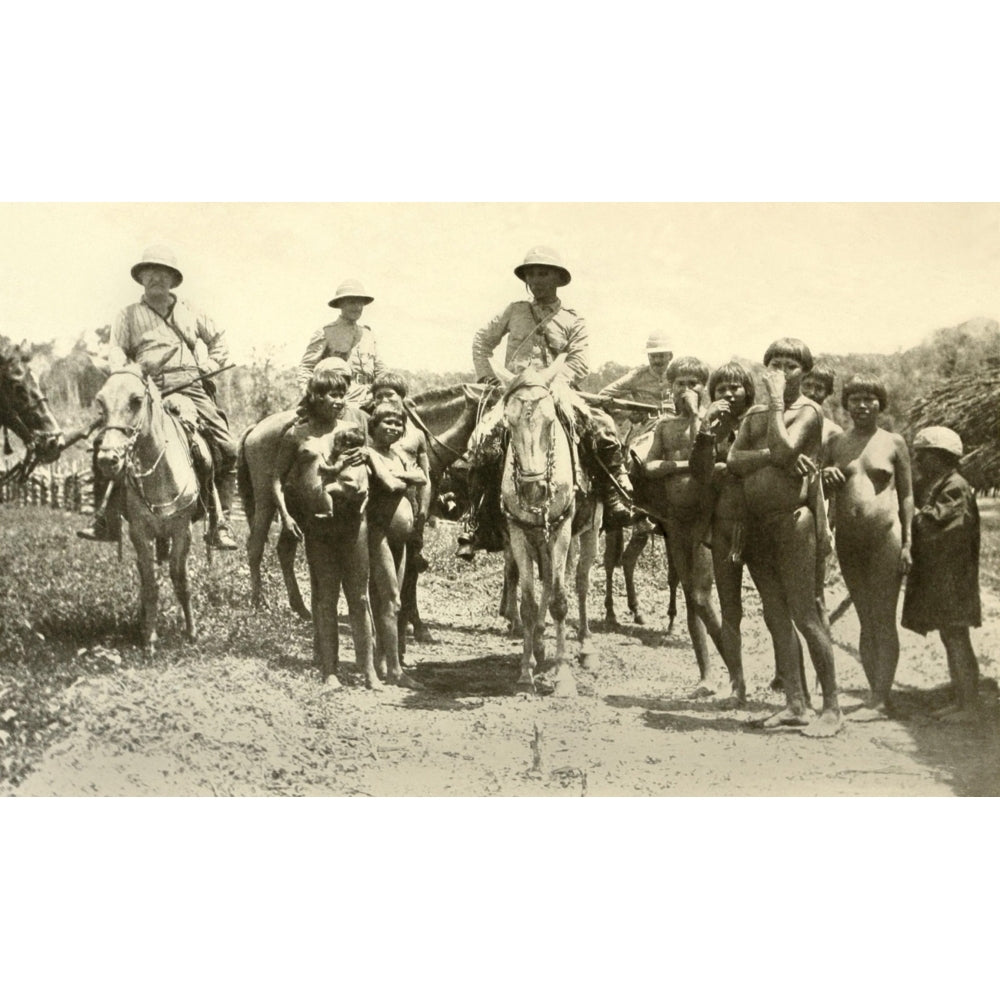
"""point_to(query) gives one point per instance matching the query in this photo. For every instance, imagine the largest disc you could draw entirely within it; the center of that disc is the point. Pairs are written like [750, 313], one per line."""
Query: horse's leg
[179, 551]
[510, 608]
[673, 581]
[588, 555]
[411, 610]
[637, 543]
[287, 546]
[148, 595]
[563, 682]
[529, 606]
[614, 540]
[256, 541]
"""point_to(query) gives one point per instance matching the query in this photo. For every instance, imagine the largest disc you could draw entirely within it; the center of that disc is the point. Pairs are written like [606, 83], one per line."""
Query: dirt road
[251, 725]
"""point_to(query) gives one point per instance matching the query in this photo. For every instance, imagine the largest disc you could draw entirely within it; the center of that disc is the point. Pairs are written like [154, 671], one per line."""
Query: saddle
[203, 454]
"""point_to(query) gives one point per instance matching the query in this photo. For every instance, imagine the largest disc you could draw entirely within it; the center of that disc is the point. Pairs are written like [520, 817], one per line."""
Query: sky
[720, 279]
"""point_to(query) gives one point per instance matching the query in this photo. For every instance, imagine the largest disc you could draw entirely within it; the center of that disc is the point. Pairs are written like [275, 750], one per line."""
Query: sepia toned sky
[720, 279]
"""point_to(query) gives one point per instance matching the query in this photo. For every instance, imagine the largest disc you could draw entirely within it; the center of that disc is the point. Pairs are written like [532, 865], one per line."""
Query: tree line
[952, 376]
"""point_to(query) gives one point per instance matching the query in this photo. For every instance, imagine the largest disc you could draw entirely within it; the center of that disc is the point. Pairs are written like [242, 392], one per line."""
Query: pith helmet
[657, 343]
[161, 256]
[942, 438]
[334, 364]
[350, 289]
[546, 257]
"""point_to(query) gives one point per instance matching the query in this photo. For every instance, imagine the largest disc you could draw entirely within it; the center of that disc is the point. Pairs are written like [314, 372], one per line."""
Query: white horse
[539, 502]
[146, 447]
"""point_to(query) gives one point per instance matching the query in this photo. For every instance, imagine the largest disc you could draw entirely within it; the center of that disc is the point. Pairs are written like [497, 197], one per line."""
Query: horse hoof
[192, 637]
[639, 618]
[423, 634]
[611, 618]
[524, 687]
[564, 688]
[589, 661]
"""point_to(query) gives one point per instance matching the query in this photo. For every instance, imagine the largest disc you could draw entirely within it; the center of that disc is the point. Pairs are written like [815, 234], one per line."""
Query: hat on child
[941, 438]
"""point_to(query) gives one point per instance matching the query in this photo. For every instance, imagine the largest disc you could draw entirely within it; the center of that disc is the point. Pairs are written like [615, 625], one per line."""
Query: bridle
[521, 478]
[131, 466]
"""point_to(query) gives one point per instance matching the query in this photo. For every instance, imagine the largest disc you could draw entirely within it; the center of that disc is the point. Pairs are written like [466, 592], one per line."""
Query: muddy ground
[235, 724]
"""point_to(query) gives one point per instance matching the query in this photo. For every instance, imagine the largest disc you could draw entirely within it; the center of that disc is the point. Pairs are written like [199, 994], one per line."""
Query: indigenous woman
[870, 471]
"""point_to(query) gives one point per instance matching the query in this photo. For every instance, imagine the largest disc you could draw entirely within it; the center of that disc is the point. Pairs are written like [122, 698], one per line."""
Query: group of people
[772, 484]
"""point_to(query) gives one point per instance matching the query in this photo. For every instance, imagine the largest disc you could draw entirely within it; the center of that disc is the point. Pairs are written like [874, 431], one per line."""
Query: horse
[446, 418]
[637, 442]
[540, 506]
[25, 410]
[144, 445]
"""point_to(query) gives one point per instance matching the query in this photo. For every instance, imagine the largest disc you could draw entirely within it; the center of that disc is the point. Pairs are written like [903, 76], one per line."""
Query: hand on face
[715, 414]
[774, 385]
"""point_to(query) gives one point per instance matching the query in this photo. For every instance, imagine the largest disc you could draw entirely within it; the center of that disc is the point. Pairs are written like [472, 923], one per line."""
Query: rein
[131, 466]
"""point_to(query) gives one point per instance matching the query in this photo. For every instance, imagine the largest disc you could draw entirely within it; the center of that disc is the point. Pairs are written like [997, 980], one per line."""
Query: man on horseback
[537, 332]
[161, 333]
[346, 338]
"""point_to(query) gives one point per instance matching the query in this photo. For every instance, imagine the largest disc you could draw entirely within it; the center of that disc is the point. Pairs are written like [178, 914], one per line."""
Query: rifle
[624, 404]
[197, 378]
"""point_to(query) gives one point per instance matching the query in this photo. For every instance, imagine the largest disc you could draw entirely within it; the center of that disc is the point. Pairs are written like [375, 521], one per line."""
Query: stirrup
[220, 537]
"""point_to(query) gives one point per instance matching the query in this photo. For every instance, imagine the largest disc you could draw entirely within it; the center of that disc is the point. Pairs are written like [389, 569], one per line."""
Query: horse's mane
[436, 395]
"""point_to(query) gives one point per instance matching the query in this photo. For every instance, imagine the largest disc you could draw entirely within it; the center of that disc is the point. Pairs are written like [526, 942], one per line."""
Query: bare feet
[829, 723]
[869, 713]
[422, 633]
[332, 682]
[960, 715]
[373, 683]
[777, 684]
[790, 717]
[705, 689]
[404, 680]
[940, 713]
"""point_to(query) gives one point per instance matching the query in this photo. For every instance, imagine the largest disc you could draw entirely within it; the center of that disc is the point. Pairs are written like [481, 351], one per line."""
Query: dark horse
[446, 418]
[25, 410]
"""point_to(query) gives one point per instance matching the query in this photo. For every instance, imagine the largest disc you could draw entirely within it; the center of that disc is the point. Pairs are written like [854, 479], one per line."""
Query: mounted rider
[174, 344]
[346, 338]
[537, 333]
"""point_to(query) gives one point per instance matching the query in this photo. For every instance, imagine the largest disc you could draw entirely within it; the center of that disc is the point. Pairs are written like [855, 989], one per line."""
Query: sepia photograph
[498, 501]
[625, 499]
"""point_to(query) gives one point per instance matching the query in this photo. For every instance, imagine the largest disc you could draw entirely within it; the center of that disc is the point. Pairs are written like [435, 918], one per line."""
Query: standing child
[942, 591]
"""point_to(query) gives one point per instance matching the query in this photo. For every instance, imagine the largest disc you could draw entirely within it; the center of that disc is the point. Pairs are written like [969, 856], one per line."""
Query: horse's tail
[244, 482]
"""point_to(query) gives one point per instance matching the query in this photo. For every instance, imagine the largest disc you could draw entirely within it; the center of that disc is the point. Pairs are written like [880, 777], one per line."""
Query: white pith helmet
[161, 256]
[544, 257]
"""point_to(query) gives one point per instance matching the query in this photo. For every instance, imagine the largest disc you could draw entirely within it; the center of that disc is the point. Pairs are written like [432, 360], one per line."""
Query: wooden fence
[62, 486]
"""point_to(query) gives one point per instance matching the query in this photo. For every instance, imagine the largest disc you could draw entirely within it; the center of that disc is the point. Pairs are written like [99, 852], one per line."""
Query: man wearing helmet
[170, 340]
[537, 333]
[346, 338]
[942, 591]
[648, 383]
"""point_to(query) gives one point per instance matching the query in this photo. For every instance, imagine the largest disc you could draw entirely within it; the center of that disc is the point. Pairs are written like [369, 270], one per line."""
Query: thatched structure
[970, 405]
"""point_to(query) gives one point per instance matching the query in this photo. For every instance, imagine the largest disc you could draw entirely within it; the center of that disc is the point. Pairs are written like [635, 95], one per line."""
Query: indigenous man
[346, 338]
[681, 502]
[169, 340]
[776, 452]
[537, 333]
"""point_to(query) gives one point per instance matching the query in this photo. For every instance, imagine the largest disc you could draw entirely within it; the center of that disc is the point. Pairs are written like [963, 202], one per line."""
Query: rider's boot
[220, 535]
[603, 444]
[106, 526]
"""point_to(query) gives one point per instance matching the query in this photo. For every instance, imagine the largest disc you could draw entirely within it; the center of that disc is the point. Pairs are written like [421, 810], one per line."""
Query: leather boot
[106, 526]
[220, 535]
[606, 449]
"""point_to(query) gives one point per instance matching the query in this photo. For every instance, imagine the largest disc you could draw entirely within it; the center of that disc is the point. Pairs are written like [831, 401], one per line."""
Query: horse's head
[23, 407]
[530, 414]
[125, 405]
